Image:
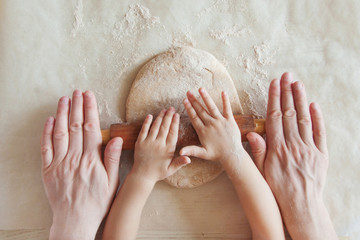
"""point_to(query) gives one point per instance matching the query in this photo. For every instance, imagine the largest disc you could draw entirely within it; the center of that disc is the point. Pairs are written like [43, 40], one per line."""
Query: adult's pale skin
[294, 159]
[79, 184]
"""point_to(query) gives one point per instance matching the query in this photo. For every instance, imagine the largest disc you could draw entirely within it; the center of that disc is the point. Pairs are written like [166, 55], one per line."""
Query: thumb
[178, 163]
[258, 149]
[194, 151]
[112, 158]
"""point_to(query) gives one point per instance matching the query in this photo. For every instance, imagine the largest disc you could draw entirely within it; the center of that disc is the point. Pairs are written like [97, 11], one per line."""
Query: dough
[163, 82]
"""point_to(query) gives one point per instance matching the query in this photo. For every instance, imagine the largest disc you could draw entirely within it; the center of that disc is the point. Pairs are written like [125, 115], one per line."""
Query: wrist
[308, 220]
[234, 163]
[141, 179]
[70, 228]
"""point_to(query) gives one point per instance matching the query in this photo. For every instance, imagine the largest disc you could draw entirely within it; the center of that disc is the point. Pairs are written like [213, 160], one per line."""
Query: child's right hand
[155, 147]
[218, 133]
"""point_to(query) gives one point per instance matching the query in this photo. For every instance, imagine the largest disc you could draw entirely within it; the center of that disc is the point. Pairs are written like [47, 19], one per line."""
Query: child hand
[154, 148]
[218, 133]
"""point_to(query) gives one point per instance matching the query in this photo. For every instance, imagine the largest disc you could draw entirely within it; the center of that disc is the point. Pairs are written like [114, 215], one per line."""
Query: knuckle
[280, 148]
[75, 127]
[194, 117]
[90, 126]
[320, 132]
[212, 109]
[45, 149]
[59, 134]
[305, 121]
[290, 113]
[275, 114]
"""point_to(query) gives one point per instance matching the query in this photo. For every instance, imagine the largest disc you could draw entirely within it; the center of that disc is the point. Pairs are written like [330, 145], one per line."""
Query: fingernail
[77, 93]
[316, 106]
[171, 109]
[299, 85]
[64, 99]
[88, 94]
[186, 101]
[201, 90]
[276, 82]
[288, 76]
[50, 120]
[224, 93]
[177, 116]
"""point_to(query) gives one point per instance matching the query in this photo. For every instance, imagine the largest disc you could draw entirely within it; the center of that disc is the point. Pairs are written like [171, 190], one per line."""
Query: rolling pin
[187, 134]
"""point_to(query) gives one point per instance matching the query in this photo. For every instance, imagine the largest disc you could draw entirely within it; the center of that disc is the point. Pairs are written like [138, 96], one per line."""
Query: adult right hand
[294, 159]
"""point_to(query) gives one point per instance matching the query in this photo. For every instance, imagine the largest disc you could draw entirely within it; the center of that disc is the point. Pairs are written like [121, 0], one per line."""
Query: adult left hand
[79, 184]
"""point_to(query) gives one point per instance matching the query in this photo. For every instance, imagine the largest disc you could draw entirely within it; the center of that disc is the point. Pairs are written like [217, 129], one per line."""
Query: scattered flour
[180, 39]
[224, 34]
[137, 19]
[78, 15]
[264, 54]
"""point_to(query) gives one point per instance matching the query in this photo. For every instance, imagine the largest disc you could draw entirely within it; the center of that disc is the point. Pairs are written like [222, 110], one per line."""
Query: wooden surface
[42, 234]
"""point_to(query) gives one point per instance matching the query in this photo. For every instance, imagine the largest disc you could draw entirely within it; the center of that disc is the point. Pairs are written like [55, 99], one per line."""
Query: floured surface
[47, 49]
[163, 82]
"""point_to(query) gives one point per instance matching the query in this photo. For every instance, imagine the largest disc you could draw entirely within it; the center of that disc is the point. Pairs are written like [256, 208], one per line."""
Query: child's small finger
[154, 130]
[174, 130]
[227, 111]
[165, 125]
[178, 163]
[199, 109]
[145, 128]
[194, 151]
[195, 120]
[209, 102]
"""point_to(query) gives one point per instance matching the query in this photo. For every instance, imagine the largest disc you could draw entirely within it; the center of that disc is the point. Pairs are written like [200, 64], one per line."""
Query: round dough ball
[163, 82]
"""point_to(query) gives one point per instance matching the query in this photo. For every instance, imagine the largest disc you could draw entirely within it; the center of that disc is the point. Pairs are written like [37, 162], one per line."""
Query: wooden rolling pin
[187, 134]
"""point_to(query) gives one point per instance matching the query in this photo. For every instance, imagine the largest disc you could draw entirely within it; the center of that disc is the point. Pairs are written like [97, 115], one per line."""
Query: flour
[78, 15]
[224, 34]
[265, 55]
[137, 19]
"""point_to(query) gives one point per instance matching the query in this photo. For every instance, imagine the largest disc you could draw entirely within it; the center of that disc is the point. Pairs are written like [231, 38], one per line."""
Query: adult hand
[294, 159]
[79, 185]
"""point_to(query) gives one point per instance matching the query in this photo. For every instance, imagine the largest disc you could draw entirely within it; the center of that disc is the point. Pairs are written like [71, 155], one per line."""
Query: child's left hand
[155, 147]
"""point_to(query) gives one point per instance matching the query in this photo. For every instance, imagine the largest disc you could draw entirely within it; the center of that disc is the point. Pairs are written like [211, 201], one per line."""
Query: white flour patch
[224, 34]
[137, 19]
[78, 15]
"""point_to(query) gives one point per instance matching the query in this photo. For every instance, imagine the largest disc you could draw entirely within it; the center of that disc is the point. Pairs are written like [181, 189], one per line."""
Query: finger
[154, 131]
[61, 129]
[227, 111]
[111, 160]
[178, 163]
[145, 128]
[46, 143]
[165, 124]
[258, 150]
[303, 114]
[318, 128]
[76, 123]
[274, 126]
[194, 151]
[209, 102]
[199, 109]
[194, 118]
[92, 133]
[173, 131]
[288, 109]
